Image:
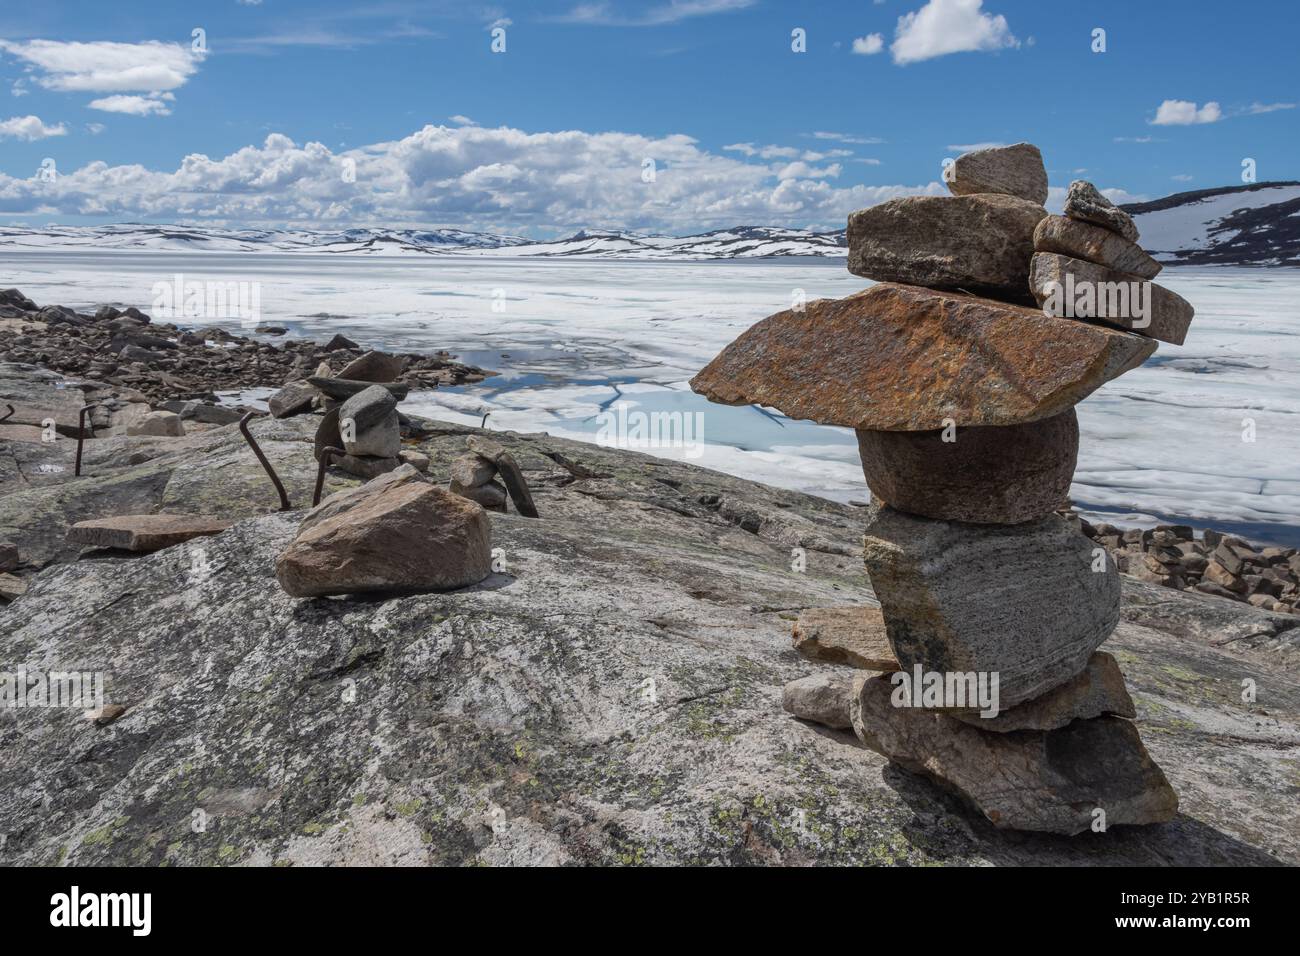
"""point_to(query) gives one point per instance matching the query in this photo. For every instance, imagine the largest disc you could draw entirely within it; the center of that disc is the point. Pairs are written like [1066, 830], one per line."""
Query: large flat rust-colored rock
[855, 636]
[144, 532]
[903, 358]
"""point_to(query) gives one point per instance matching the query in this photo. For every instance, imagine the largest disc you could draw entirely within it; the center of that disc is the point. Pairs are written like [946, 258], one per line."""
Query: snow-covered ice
[1207, 433]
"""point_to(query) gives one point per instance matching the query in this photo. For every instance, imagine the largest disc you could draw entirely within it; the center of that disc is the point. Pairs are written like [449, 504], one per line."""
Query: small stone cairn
[962, 395]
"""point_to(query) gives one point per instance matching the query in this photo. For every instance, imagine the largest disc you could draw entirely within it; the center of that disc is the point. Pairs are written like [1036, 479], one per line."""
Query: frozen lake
[1207, 433]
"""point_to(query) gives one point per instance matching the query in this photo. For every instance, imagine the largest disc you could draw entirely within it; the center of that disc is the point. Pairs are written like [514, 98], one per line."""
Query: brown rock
[399, 533]
[144, 532]
[845, 635]
[821, 698]
[294, 399]
[1085, 290]
[8, 556]
[991, 474]
[470, 471]
[1083, 240]
[159, 424]
[1085, 202]
[979, 244]
[1097, 691]
[492, 495]
[903, 358]
[374, 367]
[1012, 170]
[1050, 781]
[12, 587]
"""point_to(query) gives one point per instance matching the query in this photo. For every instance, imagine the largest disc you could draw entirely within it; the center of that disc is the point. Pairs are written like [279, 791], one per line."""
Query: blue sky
[400, 113]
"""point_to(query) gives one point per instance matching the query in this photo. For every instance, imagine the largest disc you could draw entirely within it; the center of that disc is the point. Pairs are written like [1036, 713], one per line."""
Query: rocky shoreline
[126, 348]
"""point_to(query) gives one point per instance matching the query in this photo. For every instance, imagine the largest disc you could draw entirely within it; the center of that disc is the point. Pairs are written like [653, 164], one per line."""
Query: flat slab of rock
[1050, 781]
[845, 635]
[374, 367]
[990, 474]
[1021, 601]
[509, 471]
[144, 532]
[1091, 291]
[399, 533]
[822, 698]
[1012, 170]
[1097, 692]
[12, 587]
[1085, 202]
[341, 389]
[903, 358]
[365, 466]
[294, 399]
[1082, 240]
[979, 244]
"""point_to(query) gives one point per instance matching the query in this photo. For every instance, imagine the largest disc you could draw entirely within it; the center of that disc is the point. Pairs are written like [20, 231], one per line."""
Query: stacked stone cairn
[962, 395]
[474, 476]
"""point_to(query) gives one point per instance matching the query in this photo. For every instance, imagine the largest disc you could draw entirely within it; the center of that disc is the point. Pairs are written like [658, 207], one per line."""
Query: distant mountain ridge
[1257, 224]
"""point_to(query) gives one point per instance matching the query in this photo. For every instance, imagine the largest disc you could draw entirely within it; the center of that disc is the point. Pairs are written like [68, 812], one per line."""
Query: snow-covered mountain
[1236, 225]
[743, 242]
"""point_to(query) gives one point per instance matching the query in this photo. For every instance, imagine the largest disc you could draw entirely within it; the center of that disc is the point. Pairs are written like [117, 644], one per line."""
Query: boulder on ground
[151, 532]
[1098, 691]
[470, 471]
[1050, 781]
[510, 472]
[979, 244]
[1028, 602]
[821, 698]
[845, 635]
[399, 533]
[1012, 170]
[368, 424]
[365, 466]
[341, 389]
[1072, 288]
[990, 474]
[1082, 240]
[903, 358]
[1085, 202]
[491, 496]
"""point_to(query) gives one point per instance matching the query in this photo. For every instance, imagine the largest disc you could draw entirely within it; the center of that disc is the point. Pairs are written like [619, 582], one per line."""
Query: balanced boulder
[1082, 240]
[1012, 170]
[368, 424]
[399, 533]
[979, 244]
[990, 474]
[1084, 201]
[1073, 288]
[1095, 692]
[1028, 602]
[903, 358]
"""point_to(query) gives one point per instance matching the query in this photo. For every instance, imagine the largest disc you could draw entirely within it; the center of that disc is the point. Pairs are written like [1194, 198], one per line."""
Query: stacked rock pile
[963, 401]
[474, 476]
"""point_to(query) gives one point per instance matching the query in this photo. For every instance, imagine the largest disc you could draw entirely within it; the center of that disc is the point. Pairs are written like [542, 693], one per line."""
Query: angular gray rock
[365, 466]
[1012, 170]
[1051, 781]
[144, 532]
[158, 424]
[1097, 692]
[470, 471]
[492, 496]
[374, 367]
[341, 389]
[1085, 202]
[399, 533]
[1022, 601]
[294, 399]
[375, 430]
[845, 635]
[979, 244]
[991, 474]
[1082, 240]
[821, 698]
[510, 472]
[1072, 288]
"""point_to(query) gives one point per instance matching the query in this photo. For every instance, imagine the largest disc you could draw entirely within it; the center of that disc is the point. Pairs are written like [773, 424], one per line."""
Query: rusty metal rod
[275, 479]
[81, 434]
[326, 453]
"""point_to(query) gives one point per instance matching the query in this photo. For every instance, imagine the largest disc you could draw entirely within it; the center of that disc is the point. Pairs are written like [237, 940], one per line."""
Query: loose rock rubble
[993, 604]
[166, 361]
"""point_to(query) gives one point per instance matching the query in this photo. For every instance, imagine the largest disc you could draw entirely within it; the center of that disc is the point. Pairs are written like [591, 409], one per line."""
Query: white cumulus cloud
[1186, 113]
[133, 105]
[29, 128]
[869, 45]
[949, 26]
